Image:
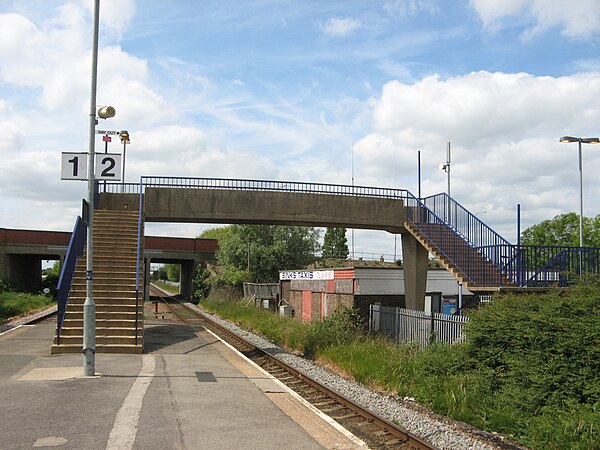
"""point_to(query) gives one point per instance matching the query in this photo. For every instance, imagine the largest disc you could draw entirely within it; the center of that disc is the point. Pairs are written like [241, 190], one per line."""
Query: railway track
[376, 432]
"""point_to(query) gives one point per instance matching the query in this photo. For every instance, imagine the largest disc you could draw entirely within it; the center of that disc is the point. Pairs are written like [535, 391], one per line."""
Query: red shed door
[306, 305]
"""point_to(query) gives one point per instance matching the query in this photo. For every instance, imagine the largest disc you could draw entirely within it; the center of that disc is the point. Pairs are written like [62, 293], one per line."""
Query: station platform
[188, 391]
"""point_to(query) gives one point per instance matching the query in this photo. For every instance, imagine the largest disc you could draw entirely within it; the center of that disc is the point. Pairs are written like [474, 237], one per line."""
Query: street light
[124, 135]
[580, 140]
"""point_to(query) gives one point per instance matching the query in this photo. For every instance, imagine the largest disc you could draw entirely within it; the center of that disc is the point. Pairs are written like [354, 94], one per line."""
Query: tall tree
[563, 230]
[259, 252]
[335, 244]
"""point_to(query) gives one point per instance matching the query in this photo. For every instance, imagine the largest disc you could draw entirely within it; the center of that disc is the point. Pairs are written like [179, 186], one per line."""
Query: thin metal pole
[519, 262]
[448, 162]
[580, 196]
[580, 209]
[89, 307]
[419, 171]
[123, 178]
[352, 234]
[105, 152]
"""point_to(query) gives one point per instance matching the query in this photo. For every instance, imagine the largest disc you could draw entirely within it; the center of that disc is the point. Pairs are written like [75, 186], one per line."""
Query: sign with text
[307, 275]
[74, 166]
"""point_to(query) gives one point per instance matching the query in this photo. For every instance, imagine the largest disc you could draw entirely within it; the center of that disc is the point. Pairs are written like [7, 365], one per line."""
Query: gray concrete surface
[191, 391]
[273, 208]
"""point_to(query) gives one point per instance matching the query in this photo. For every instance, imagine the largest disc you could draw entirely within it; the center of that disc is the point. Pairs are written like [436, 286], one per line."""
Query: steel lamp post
[580, 140]
[124, 135]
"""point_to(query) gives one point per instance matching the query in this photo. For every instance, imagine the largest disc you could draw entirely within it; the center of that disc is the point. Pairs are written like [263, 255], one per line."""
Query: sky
[306, 90]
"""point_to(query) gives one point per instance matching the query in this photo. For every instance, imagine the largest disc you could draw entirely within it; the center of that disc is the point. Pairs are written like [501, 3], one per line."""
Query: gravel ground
[440, 431]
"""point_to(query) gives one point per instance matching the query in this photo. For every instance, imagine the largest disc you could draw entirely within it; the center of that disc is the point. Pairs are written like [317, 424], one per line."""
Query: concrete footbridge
[479, 258]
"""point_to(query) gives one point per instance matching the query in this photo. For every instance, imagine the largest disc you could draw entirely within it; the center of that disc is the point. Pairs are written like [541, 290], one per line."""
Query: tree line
[256, 253]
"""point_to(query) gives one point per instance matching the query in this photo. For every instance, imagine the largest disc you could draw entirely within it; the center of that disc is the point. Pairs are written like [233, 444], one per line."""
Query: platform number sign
[108, 166]
[74, 166]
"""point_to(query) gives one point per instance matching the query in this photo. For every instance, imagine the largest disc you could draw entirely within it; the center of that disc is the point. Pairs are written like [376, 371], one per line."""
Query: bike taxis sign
[306, 275]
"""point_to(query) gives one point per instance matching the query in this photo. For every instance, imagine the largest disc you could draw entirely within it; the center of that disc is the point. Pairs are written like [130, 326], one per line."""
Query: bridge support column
[147, 279]
[25, 272]
[415, 272]
[187, 277]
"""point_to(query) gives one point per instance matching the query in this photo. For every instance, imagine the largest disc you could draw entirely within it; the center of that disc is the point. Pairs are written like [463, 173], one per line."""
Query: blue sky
[301, 90]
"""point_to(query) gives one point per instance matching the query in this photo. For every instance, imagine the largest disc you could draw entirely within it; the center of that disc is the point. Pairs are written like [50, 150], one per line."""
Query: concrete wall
[273, 208]
[119, 202]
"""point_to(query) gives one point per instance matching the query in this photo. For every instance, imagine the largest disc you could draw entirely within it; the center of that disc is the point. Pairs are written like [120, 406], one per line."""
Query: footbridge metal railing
[511, 265]
[254, 185]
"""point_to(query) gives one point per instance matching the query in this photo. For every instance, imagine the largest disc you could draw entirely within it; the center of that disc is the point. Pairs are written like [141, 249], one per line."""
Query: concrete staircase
[468, 265]
[115, 256]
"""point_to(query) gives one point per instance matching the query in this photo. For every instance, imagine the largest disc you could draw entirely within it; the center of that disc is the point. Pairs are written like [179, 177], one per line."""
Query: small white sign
[73, 166]
[107, 132]
[307, 275]
[108, 166]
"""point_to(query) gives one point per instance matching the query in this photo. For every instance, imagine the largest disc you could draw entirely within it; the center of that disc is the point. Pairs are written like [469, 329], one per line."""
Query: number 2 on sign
[108, 166]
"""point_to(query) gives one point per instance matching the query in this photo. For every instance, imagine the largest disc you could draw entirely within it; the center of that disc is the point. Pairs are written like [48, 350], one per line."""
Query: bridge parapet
[273, 208]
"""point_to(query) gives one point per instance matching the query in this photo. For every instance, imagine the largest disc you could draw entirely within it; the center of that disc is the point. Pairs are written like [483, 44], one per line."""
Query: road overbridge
[22, 253]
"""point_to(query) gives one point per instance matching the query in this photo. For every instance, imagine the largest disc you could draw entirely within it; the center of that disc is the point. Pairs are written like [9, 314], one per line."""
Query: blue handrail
[74, 252]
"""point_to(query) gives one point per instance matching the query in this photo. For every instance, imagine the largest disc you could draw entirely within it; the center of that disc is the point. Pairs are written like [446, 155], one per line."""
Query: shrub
[200, 284]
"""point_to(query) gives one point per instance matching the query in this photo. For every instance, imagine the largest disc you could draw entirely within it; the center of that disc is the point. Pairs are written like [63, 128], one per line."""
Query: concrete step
[79, 299]
[105, 315]
[100, 340]
[102, 323]
[106, 293]
[108, 348]
[100, 331]
[103, 307]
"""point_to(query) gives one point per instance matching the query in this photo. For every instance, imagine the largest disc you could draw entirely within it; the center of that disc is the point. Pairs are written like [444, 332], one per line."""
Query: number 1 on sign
[73, 166]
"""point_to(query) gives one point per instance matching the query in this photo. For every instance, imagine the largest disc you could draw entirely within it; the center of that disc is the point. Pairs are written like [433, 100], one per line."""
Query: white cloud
[578, 19]
[341, 27]
[406, 8]
[504, 130]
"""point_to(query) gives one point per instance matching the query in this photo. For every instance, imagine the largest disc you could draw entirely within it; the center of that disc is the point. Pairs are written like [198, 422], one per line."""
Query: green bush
[542, 354]
[341, 327]
[5, 287]
[200, 284]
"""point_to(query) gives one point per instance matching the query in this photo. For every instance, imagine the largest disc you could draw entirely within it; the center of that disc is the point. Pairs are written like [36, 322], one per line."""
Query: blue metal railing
[74, 252]
[501, 263]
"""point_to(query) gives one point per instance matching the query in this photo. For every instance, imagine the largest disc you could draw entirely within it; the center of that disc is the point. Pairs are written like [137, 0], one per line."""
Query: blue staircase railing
[457, 228]
[501, 263]
[74, 252]
[517, 265]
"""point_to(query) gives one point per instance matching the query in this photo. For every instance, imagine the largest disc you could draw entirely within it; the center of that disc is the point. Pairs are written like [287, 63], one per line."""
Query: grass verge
[15, 304]
[166, 287]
